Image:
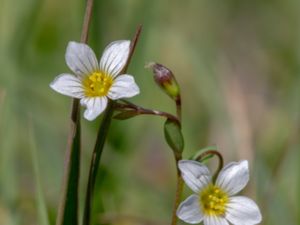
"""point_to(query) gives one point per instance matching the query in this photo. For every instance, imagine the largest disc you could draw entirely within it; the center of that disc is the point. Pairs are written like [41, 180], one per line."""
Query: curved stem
[209, 153]
[143, 111]
[178, 156]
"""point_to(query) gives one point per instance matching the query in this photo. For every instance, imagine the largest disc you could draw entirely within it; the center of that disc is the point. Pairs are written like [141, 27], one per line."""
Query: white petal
[195, 174]
[81, 58]
[123, 86]
[243, 211]
[214, 220]
[69, 85]
[115, 57]
[94, 106]
[234, 177]
[189, 210]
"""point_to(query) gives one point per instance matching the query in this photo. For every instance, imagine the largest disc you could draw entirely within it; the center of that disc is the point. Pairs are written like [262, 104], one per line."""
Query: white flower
[214, 203]
[93, 82]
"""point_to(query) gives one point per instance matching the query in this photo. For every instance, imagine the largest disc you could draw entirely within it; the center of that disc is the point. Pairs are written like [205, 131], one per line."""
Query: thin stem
[72, 157]
[143, 111]
[179, 185]
[209, 153]
[84, 38]
[178, 107]
[133, 46]
[75, 121]
[178, 156]
[179, 189]
[87, 21]
[101, 137]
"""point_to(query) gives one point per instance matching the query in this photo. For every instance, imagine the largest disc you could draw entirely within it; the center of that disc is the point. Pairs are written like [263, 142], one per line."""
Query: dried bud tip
[149, 65]
[165, 79]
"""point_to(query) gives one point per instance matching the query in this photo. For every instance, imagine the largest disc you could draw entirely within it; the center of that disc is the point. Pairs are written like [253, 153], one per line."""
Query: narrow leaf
[97, 153]
[68, 208]
[174, 136]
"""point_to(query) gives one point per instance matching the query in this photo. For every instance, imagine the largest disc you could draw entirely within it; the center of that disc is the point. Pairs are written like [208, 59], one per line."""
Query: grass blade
[40, 199]
[68, 210]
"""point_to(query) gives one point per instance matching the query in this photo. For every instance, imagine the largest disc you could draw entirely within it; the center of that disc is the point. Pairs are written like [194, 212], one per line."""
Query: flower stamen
[213, 201]
[97, 84]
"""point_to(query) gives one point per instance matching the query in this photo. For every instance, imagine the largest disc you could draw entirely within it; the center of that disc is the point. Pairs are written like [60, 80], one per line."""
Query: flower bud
[165, 80]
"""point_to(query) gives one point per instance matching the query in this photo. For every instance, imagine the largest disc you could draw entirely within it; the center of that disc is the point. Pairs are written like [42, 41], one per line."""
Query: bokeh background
[238, 66]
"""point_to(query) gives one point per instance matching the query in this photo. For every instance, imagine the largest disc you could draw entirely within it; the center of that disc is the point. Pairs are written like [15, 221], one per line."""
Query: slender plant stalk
[143, 111]
[179, 188]
[178, 156]
[68, 205]
[101, 137]
[178, 107]
[212, 153]
[87, 21]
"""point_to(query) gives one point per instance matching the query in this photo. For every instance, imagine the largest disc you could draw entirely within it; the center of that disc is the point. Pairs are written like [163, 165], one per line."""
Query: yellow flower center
[97, 84]
[213, 201]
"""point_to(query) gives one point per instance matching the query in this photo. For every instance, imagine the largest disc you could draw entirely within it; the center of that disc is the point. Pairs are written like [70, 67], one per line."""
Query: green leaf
[174, 136]
[126, 115]
[97, 153]
[68, 206]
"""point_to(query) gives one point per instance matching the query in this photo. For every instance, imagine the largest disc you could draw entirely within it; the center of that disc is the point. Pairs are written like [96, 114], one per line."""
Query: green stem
[178, 107]
[143, 111]
[68, 204]
[98, 149]
[101, 137]
[208, 153]
[179, 189]
[178, 157]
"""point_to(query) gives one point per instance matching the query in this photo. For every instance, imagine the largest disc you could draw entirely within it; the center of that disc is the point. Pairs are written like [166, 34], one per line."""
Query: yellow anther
[97, 84]
[213, 201]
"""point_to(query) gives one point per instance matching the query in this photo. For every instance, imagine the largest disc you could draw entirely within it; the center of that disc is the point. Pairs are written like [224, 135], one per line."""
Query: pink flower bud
[165, 80]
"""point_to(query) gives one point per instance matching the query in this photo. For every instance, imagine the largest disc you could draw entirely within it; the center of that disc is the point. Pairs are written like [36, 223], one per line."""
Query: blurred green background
[238, 64]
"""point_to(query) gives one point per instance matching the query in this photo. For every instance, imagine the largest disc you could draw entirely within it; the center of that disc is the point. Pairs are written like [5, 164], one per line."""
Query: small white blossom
[214, 203]
[93, 82]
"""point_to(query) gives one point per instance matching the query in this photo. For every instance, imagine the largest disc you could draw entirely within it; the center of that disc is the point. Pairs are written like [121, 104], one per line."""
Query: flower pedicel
[94, 83]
